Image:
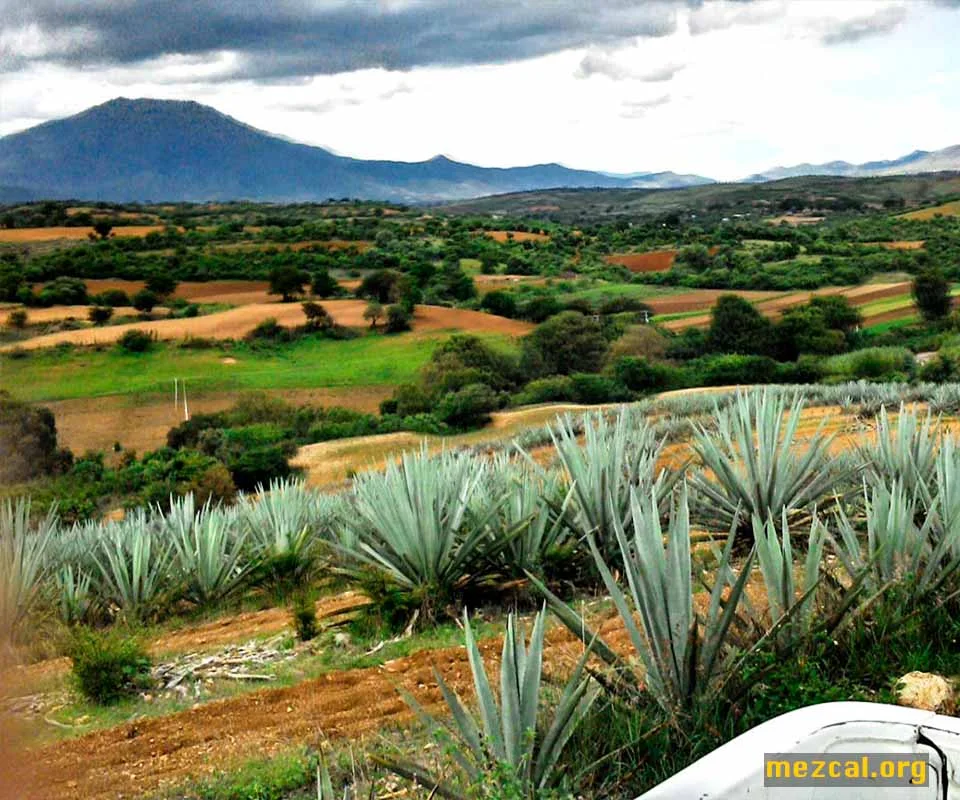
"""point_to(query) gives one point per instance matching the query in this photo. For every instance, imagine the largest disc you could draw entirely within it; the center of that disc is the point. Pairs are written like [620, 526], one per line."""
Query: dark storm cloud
[286, 38]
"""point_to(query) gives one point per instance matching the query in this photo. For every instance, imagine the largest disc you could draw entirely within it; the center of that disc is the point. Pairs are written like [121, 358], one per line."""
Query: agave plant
[210, 549]
[920, 557]
[531, 519]
[682, 657]
[415, 528]
[616, 458]
[757, 470]
[509, 736]
[24, 562]
[75, 596]
[786, 599]
[905, 452]
[286, 523]
[134, 565]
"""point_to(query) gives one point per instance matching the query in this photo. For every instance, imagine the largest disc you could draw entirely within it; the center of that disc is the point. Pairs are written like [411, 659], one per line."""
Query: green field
[67, 373]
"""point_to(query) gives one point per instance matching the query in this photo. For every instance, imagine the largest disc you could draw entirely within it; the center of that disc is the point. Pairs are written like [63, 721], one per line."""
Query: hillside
[715, 200]
[162, 150]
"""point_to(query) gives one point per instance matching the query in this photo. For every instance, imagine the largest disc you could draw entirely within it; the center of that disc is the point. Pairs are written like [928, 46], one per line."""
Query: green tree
[103, 228]
[566, 343]
[287, 281]
[318, 318]
[161, 284]
[323, 284]
[398, 319]
[145, 301]
[737, 327]
[373, 312]
[100, 315]
[931, 292]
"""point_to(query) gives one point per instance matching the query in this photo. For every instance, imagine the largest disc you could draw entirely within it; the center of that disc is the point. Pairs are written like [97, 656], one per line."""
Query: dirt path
[238, 322]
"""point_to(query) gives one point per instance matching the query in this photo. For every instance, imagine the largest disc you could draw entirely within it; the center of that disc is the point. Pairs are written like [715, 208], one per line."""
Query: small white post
[176, 396]
[186, 408]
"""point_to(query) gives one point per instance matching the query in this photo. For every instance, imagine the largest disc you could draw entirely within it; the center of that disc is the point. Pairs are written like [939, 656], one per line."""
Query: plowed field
[25, 235]
[237, 322]
[654, 261]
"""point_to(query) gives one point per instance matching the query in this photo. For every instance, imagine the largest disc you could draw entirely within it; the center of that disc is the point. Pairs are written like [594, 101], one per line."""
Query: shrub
[724, 370]
[737, 327]
[109, 665]
[500, 303]
[592, 389]
[564, 344]
[872, 363]
[398, 319]
[469, 407]
[113, 298]
[17, 319]
[145, 301]
[64, 292]
[304, 612]
[641, 341]
[28, 441]
[641, 375]
[99, 315]
[136, 341]
[546, 390]
[269, 330]
[931, 291]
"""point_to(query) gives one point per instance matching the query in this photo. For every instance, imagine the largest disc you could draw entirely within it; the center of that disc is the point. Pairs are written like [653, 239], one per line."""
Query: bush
[113, 298]
[641, 375]
[872, 363]
[469, 407]
[734, 369]
[500, 303]
[591, 389]
[136, 341]
[305, 617]
[145, 301]
[64, 292]
[17, 319]
[109, 665]
[270, 331]
[28, 441]
[546, 390]
[564, 344]
[100, 315]
[398, 319]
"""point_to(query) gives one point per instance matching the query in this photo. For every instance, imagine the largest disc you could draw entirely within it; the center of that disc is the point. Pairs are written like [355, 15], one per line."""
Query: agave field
[760, 542]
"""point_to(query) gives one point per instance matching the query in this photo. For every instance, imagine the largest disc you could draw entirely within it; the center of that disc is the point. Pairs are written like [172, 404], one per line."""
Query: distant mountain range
[154, 150]
[157, 150]
[916, 162]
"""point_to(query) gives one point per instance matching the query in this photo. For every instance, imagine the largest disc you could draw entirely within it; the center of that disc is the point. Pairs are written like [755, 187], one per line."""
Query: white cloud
[726, 101]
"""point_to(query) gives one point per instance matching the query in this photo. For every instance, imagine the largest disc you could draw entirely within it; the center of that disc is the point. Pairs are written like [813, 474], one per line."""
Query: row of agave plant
[434, 530]
[823, 533]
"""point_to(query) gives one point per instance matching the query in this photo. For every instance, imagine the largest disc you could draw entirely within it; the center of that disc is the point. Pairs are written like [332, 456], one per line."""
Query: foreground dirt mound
[132, 760]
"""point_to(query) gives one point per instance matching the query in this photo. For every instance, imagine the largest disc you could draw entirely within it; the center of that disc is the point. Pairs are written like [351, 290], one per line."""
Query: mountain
[912, 164]
[156, 150]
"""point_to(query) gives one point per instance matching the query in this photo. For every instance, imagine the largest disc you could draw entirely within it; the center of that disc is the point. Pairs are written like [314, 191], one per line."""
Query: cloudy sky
[721, 88]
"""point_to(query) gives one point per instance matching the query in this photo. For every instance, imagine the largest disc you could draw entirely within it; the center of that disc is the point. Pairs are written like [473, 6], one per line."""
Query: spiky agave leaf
[210, 547]
[775, 556]
[75, 595]
[25, 562]
[286, 522]
[134, 565]
[414, 524]
[532, 518]
[905, 451]
[757, 468]
[616, 457]
[507, 733]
